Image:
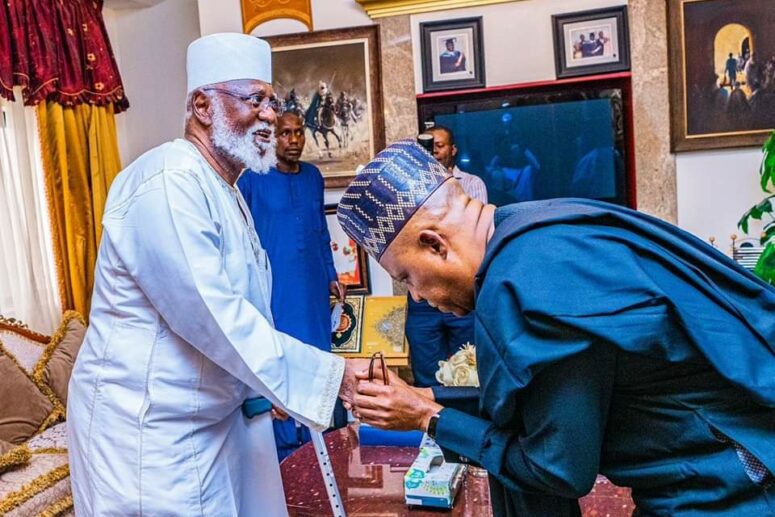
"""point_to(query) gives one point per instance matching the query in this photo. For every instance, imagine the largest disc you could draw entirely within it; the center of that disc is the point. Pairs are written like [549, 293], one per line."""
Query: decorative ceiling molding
[256, 12]
[383, 8]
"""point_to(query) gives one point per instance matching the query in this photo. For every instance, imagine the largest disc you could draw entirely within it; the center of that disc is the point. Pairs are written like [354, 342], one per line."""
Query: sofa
[34, 373]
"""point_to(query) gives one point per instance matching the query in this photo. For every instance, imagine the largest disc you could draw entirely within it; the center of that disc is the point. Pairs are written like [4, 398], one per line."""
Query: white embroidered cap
[227, 56]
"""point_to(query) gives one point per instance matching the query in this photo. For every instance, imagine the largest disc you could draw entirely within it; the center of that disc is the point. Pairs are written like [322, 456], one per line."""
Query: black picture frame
[575, 54]
[347, 251]
[459, 67]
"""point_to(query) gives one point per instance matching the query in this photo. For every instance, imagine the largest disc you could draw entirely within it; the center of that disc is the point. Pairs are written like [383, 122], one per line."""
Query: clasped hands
[394, 405]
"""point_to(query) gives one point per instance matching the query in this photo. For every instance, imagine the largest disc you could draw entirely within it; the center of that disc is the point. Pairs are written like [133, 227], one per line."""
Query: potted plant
[765, 266]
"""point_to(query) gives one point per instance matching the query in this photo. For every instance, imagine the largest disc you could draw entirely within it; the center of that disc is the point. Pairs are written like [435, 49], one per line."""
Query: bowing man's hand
[395, 406]
[393, 378]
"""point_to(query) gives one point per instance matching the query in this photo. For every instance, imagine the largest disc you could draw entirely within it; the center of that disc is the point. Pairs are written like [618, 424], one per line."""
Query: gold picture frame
[349, 129]
[721, 92]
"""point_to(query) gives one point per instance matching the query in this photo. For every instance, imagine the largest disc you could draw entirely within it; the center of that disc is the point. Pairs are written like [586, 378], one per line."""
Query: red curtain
[58, 50]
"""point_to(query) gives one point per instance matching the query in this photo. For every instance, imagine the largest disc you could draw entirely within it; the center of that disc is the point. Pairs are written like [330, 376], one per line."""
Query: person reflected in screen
[513, 171]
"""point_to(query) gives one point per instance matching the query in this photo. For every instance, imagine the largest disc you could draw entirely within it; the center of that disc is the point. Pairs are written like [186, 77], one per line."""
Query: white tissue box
[431, 481]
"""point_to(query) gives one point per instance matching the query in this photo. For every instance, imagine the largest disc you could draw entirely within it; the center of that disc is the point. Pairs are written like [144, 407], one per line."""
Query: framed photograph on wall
[452, 54]
[350, 260]
[332, 79]
[591, 42]
[721, 73]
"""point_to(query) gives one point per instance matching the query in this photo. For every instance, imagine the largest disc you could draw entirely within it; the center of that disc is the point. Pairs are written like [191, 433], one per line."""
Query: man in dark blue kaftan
[607, 342]
[287, 209]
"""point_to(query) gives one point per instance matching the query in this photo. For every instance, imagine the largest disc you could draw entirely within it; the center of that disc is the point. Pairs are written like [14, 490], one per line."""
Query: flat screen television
[527, 144]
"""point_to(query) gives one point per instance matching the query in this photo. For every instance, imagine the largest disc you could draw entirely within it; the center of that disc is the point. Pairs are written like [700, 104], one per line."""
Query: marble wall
[399, 101]
[655, 166]
[400, 104]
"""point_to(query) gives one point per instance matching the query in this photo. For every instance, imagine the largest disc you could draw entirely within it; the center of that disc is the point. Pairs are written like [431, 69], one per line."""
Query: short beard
[259, 157]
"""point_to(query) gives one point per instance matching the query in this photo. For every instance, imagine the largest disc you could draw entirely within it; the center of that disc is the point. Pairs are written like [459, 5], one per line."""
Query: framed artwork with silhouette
[721, 73]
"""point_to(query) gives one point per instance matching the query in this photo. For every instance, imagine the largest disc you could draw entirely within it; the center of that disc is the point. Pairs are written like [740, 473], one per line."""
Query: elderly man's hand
[350, 381]
[395, 406]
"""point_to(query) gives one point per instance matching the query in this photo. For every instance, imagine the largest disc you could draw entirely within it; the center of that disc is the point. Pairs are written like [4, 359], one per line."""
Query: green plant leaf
[756, 212]
[767, 169]
[765, 267]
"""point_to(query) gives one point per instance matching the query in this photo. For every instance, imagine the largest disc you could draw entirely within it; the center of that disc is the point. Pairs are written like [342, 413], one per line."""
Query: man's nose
[267, 115]
[415, 296]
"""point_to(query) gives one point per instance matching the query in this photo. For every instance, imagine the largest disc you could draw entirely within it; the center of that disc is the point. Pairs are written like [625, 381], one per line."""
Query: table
[371, 482]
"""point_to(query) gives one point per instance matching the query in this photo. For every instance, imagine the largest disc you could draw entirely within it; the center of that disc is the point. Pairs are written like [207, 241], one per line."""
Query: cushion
[56, 364]
[13, 456]
[41, 486]
[53, 438]
[22, 344]
[24, 409]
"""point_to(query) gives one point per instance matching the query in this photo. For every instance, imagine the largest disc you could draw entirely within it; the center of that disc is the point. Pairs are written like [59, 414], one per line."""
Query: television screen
[528, 147]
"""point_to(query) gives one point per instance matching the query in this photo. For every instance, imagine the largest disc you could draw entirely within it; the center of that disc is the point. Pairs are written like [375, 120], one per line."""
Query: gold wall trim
[256, 12]
[383, 8]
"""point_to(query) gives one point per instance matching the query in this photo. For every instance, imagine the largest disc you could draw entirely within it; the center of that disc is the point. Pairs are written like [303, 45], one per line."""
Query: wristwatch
[432, 423]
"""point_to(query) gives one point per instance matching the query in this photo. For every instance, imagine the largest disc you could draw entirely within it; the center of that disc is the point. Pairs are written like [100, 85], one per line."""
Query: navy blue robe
[609, 341]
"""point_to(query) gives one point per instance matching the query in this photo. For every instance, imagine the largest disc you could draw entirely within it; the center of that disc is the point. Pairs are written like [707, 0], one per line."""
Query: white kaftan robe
[180, 334]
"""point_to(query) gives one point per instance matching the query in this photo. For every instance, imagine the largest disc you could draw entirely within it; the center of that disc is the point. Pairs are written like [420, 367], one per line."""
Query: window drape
[58, 50]
[58, 53]
[80, 159]
[28, 288]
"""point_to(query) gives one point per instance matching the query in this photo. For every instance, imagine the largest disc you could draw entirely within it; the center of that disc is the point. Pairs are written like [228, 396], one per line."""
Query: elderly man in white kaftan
[181, 329]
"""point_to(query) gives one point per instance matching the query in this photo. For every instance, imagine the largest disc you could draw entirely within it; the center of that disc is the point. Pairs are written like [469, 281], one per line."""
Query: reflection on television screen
[541, 147]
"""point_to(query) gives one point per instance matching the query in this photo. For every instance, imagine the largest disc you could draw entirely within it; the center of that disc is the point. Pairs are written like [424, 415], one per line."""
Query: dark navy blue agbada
[288, 213]
[609, 341]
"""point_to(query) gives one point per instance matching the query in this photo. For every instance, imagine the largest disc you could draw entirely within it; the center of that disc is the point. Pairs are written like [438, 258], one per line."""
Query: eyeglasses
[378, 356]
[257, 100]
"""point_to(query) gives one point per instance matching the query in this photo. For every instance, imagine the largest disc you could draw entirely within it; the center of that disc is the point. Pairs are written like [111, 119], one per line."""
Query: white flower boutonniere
[460, 369]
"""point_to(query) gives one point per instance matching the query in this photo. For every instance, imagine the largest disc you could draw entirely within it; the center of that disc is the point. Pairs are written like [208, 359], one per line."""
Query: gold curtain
[80, 159]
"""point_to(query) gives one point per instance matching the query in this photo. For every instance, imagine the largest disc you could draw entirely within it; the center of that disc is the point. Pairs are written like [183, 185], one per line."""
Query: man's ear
[453, 150]
[201, 108]
[432, 241]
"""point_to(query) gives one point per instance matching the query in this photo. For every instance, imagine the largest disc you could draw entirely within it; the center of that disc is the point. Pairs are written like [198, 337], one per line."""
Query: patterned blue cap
[387, 192]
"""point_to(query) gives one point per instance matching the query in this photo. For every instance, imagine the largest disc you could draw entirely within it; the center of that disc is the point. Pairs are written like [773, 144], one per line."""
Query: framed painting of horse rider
[332, 79]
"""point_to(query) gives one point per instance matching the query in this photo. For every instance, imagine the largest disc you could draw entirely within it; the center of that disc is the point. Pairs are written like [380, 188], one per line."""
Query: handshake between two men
[382, 399]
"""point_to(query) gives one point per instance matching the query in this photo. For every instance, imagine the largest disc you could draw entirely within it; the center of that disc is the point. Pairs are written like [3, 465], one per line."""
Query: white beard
[259, 157]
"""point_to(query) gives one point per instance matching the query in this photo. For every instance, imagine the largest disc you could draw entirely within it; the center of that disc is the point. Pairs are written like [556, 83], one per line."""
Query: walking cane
[321, 452]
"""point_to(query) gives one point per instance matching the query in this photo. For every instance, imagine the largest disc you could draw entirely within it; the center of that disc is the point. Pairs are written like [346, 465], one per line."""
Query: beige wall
[517, 37]
[150, 46]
